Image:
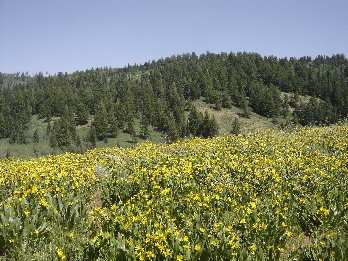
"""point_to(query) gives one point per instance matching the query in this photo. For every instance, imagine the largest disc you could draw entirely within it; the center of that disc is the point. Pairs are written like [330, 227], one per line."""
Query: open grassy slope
[225, 118]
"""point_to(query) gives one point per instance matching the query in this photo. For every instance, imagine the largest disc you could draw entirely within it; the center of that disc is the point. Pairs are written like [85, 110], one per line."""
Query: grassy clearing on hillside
[267, 195]
[225, 118]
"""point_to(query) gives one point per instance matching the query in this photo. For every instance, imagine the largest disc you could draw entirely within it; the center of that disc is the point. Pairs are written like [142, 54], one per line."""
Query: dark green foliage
[144, 127]
[202, 126]
[195, 121]
[113, 123]
[173, 130]
[101, 122]
[48, 128]
[315, 112]
[68, 115]
[226, 100]
[15, 114]
[18, 134]
[82, 114]
[119, 110]
[295, 99]
[131, 130]
[92, 136]
[235, 127]
[209, 127]
[285, 107]
[60, 135]
[3, 128]
[265, 100]
[63, 133]
[113, 126]
[244, 105]
[36, 136]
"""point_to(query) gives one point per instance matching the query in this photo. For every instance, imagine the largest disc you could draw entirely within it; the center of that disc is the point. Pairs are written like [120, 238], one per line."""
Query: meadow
[268, 195]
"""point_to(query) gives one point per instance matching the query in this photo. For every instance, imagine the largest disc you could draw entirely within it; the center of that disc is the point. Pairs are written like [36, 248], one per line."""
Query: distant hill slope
[170, 97]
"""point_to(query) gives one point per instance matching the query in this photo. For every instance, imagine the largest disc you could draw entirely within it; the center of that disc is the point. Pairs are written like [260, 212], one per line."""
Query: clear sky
[68, 35]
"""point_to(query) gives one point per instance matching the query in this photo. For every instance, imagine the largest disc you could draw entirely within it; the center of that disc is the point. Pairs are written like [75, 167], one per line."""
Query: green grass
[225, 118]
[30, 149]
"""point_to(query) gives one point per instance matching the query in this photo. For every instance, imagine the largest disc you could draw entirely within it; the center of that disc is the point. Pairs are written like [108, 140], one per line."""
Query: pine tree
[209, 127]
[60, 135]
[101, 122]
[17, 135]
[69, 117]
[131, 130]
[195, 120]
[113, 123]
[244, 105]
[121, 115]
[92, 136]
[82, 114]
[2, 126]
[113, 126]
[226, 100]
[285, 107]
[235, 127]
[214, 127]
[36, 136]
[295, 99]
[49, 128]
[144, 126]
[173, 133]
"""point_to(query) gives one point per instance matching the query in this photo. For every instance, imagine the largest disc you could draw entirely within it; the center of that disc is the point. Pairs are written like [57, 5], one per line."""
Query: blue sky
[68, 35]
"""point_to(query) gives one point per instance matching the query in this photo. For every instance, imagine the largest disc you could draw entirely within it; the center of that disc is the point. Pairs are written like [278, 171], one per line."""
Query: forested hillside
[158, 93]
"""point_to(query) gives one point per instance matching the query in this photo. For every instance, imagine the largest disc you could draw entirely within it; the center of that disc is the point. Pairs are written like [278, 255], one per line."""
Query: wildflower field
[265, 196]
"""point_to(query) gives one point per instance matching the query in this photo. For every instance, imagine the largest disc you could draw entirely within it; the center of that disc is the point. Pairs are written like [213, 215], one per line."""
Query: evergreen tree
[144, 127]
[226, 100]
[36, 136]
[173, 134]
[244, 105]
[60, 135]
[214, 127]
[209, 127]
[285, 107]
[92, 136]
[48, 128]
[195, 120]
[235, 126]
[17, 135]
[131, 130]
[113, 126]
[2, 126]
[101, 122]
[69, 117]
[82, 114]
[120, 113]
[295, 99]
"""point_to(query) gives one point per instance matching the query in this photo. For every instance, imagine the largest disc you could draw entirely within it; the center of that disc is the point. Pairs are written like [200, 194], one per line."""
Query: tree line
[158, 93]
